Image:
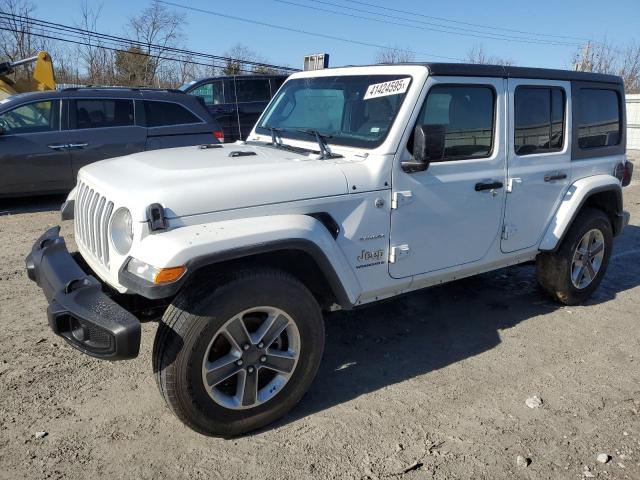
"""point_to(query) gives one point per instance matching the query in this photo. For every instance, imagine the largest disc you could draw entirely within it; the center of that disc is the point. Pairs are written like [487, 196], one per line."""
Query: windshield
[185, 86]
[354, 111]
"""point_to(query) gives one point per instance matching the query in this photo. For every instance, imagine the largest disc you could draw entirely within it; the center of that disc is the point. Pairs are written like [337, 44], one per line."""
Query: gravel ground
[431, 385]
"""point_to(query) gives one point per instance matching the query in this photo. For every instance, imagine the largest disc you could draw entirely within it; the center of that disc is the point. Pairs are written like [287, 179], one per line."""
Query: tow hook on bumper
[79, 311]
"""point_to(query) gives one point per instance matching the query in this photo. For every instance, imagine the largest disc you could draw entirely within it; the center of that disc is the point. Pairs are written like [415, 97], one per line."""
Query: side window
[212, 93]
[539, 120]
[103, 113]
[252, 90]
[32, 118]
[467, 114]
[598, 118]
[162, 114]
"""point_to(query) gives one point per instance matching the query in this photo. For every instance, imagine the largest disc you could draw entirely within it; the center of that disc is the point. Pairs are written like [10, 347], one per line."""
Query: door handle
[488, 186]
[550, 177]
[77, 146]
[58, 146]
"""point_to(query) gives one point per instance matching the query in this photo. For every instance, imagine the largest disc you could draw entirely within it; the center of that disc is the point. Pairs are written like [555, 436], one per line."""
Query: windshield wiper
[321, 138]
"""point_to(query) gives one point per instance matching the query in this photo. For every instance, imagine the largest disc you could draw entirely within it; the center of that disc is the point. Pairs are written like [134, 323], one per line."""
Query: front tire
[574, 271]
[235, 354]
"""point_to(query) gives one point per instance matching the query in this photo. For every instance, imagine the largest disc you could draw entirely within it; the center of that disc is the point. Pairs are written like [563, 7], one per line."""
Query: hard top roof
[503, 71]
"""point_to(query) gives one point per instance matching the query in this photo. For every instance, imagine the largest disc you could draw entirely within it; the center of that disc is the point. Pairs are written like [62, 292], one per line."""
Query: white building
[633, 121]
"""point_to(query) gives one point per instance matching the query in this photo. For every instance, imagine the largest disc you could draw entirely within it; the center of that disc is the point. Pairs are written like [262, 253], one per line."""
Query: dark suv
[46, 137]
[236, 102]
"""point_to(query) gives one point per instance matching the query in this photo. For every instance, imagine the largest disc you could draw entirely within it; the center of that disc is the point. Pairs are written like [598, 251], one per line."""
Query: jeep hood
[190, 180]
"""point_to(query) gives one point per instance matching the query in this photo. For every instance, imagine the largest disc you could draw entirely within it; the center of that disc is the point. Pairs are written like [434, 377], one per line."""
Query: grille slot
[92, 214]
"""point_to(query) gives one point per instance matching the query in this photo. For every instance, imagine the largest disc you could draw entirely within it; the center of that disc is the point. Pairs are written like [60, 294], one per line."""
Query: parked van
[47, 137]
[236, 102]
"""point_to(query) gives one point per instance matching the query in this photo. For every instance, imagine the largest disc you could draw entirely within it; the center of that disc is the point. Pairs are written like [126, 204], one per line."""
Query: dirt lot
[432, 385]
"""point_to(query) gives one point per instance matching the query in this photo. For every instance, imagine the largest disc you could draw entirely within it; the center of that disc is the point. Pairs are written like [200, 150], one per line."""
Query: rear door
[539, 158]
[170, 124]
[253, 95]
[34, 156]
[103, 128]
[219, 96]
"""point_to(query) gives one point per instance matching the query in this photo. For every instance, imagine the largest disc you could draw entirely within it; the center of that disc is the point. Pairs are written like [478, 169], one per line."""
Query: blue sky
[584, 19]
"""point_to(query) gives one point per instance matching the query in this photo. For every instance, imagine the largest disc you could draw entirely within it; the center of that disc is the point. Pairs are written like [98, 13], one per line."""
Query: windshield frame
[337, 141]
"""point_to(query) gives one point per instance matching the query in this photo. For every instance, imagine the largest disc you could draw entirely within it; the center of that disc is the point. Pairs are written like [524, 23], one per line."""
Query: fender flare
[309, 236]
[573, 201]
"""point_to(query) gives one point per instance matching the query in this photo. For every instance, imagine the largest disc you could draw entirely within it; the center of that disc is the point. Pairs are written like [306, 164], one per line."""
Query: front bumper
[79, 311]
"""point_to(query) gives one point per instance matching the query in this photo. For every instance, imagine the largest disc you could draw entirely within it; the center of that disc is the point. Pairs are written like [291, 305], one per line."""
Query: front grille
[92, 215]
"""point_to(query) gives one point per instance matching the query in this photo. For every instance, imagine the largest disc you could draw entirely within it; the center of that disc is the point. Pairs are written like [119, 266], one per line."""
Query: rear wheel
[575, 270]
[237, 354]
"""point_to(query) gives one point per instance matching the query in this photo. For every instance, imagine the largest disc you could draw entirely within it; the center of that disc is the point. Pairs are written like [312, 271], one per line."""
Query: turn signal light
[168, 275]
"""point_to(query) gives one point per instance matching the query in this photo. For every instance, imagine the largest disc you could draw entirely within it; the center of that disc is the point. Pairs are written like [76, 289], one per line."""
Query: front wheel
[575, 270]
[235, 355]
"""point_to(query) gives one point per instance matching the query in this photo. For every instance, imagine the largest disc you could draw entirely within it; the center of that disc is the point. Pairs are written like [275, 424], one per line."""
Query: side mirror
[1, 130]
[428, 146]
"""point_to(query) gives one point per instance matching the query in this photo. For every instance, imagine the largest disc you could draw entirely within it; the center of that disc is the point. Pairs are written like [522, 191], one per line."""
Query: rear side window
[598, 118]
[103, 113]
[32, 118]
[252, 90]
[539, 120]
[212, 93]
[467, 114]
[162, 114]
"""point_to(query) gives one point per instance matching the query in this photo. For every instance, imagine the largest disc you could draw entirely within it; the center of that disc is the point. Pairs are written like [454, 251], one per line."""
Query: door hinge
[401, 198]
[511, 182]
[508, 231]
[401, 251]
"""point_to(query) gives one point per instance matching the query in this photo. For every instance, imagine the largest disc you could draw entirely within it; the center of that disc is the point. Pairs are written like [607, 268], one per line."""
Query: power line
[130, 52]
[86, 35]
[296, 30]
[429, 25]
[387, 9]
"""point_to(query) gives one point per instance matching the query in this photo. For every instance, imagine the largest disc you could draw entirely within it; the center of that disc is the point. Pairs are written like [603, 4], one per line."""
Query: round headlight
[122, 231]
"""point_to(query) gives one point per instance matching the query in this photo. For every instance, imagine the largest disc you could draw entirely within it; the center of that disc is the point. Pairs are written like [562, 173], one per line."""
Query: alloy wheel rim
[251, 358]
[587, 259]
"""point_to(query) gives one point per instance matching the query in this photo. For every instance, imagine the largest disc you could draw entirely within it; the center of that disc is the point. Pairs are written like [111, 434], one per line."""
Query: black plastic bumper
[79, 311]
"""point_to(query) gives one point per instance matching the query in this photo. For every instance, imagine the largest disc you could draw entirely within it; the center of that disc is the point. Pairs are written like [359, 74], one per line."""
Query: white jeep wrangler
[356, 184]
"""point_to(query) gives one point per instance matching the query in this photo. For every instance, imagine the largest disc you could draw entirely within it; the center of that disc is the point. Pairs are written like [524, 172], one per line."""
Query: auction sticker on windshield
[394, 87]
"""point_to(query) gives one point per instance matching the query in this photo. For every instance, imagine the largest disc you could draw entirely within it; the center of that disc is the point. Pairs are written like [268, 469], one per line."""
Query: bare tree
[603, 57]
[98, 61]
[478, 55]
[155, 30]
[18, 39]
[395, 55]
[630, 68]
[238, 55]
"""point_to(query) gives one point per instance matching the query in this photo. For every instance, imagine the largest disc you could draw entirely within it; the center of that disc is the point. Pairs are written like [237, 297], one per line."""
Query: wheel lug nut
[263, 358]
[239, 362]
[250, 369]
[245, 346]
[261, 345]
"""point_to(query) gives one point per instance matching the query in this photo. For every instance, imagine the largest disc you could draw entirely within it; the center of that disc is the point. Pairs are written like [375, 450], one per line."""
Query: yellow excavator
[41, 79]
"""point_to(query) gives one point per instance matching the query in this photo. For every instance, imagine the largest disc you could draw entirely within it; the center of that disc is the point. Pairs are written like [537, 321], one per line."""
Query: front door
[34, 156]
[539, 164]
[451, 213]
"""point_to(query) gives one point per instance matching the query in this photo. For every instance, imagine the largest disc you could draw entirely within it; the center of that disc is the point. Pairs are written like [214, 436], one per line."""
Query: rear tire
[574, 271]
[211, 366]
